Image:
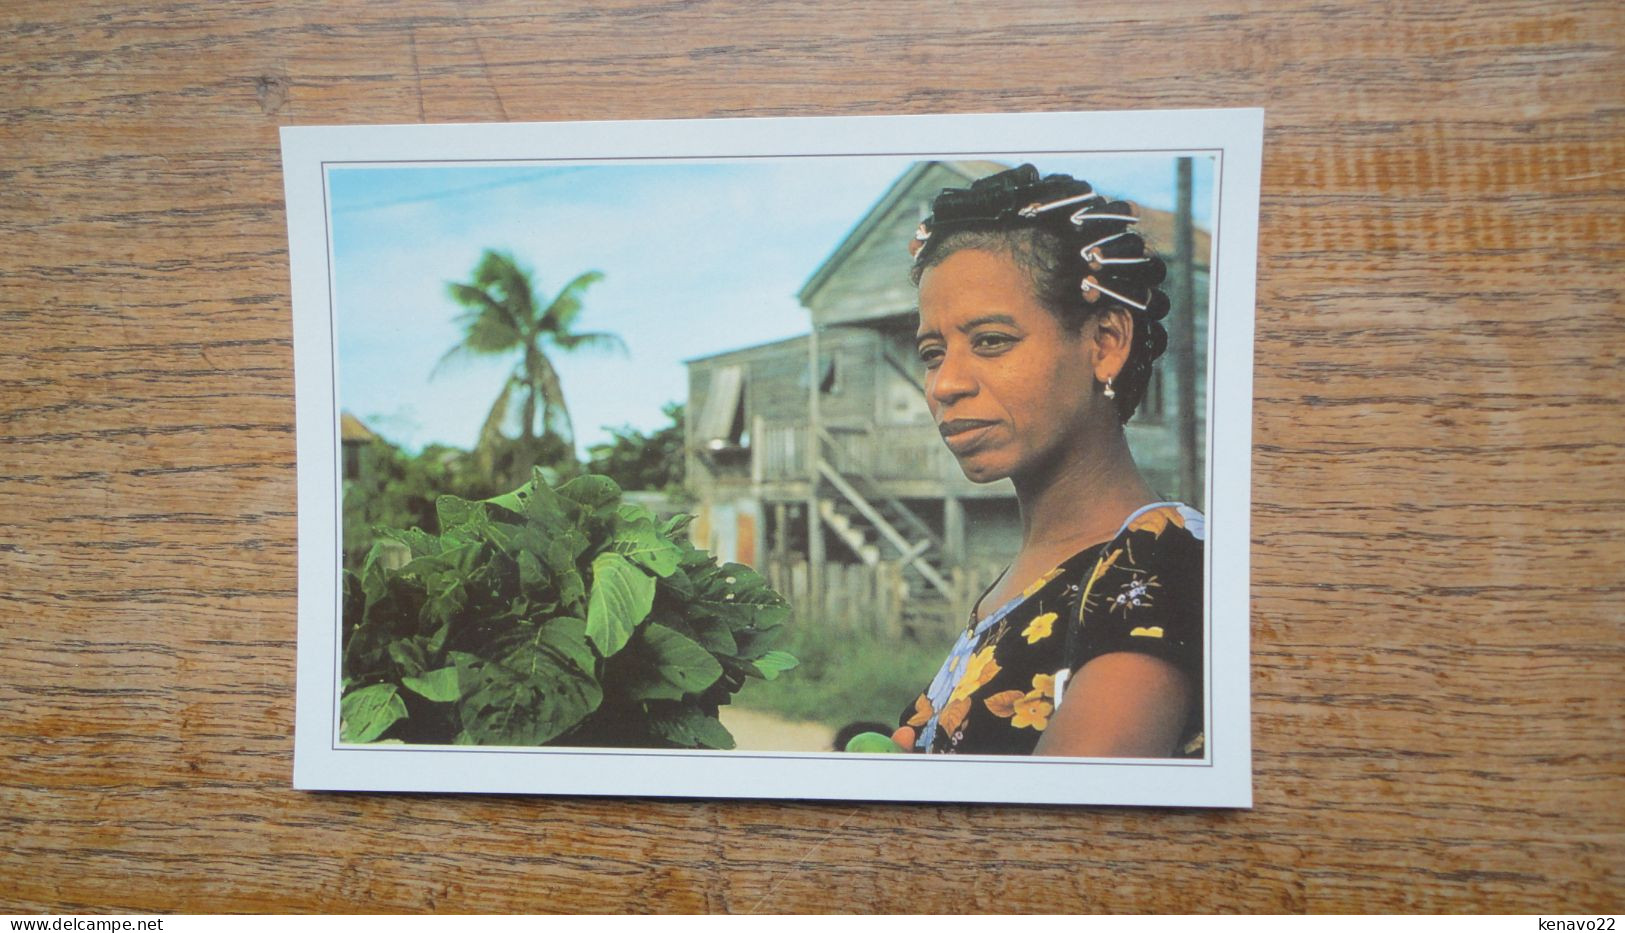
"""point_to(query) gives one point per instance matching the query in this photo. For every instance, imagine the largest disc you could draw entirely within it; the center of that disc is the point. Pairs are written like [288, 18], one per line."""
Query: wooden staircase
[871, 521]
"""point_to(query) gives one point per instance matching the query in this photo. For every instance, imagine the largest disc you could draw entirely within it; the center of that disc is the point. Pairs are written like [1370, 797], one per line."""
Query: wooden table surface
[1438, 542]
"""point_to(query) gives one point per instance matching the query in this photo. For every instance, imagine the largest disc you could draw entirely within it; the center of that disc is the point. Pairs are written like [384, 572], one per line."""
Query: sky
[698, 258]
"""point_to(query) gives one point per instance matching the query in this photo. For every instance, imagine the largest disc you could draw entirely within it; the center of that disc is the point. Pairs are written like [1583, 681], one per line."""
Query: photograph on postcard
[835, 455]
[655, 455]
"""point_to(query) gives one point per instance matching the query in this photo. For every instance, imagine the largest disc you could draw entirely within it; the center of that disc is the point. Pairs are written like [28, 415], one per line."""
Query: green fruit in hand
[872, 743]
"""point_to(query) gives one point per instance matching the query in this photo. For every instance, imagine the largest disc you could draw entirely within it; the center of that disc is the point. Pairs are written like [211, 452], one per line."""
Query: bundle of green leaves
[551, 617]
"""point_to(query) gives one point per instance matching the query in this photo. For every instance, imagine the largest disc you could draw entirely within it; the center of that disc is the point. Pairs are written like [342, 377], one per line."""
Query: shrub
[551, 617]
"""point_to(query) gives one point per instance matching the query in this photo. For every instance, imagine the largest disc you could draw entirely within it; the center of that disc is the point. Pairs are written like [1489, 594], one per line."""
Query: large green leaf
[539, 504]
[642, 544]
[754, 643]
[572, 589]
[408, 653]
[568, 637]
[531, 575]
[529, 696]
[621, 598]
[591, 492]
[679, 587]
[439, 686]
[452, 512]
[453, 555]
[668, 666]
[364, 714]
[374, 575]
[740, 597]
[687, 727]
[632, 511]
[437, 640]
[712, 634]
[448, 595]
[773, 663]
[418, 541]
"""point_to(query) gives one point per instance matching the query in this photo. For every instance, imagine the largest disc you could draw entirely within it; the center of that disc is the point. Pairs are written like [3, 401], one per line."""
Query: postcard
[859, 458]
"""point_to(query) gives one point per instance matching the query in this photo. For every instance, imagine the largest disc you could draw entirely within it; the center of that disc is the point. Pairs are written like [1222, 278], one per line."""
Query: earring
[1109, 392]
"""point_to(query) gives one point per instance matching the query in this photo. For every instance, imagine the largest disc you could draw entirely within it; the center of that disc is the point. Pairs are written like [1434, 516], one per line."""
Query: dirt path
[765, 732]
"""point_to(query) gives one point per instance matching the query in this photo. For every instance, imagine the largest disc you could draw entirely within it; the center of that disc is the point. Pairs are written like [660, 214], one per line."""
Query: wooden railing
[903, 453]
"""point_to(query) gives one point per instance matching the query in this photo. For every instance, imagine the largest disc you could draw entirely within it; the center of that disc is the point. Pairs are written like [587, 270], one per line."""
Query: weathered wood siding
[874, 409]
[872, 279]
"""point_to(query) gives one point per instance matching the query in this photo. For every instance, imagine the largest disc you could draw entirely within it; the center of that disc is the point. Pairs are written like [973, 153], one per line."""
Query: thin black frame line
[732, 755]
[333, 744]
[336, 711]
[736, 157]
[1212, 463]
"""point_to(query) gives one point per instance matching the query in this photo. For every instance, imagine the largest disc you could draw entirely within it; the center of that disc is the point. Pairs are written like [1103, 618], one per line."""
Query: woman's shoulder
[1144, 593]
[1159, 533]
[1164, 539]
[1159, 518]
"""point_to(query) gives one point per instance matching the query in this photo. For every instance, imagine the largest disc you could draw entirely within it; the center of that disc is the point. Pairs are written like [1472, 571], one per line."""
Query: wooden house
[354, 439]
[816, 460]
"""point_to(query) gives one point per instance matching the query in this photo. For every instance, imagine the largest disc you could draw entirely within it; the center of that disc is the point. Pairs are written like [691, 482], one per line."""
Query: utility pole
[815, 453]
[1183, 339]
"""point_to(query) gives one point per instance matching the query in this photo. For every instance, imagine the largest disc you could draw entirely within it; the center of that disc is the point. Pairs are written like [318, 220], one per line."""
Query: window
[830, 384]
[722, 423]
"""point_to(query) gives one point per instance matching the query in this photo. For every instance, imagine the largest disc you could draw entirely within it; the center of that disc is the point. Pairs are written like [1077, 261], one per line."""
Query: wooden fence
[878, 601]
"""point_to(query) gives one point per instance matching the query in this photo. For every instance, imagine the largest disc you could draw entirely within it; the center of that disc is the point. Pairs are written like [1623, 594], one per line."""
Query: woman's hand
[1119, 705]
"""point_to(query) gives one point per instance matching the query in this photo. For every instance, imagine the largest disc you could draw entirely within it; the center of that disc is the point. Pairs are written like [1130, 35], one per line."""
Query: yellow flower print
[1039, 583]
[1101, 567]
[1039, 628]
[1156, 521]
[922, 711]
[1044, 685]
[980, 669]
[953, 714]
[1032, 712]
[1003, 704]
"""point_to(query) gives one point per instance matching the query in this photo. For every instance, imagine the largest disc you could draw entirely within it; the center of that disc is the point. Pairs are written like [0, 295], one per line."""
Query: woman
[1038, 326]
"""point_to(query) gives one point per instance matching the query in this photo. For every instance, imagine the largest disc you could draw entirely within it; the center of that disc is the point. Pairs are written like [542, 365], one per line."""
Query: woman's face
[1010, 389]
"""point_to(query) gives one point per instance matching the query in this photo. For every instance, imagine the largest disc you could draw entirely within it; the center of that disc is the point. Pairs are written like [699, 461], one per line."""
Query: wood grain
[1437, 592]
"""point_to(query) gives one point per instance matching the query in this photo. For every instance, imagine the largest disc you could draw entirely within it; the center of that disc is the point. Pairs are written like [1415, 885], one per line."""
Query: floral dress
[1006, 675]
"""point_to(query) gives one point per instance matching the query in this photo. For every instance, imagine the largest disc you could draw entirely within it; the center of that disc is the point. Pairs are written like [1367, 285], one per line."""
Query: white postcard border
[1224, 779]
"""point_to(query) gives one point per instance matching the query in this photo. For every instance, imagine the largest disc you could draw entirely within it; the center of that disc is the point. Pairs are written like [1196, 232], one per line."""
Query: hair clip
[1092, 290]
[1083, 217]
[1096, 260]
[1091, 252]
[1034, 209]
[1103, 241]
[921, 234]
[1094, 253]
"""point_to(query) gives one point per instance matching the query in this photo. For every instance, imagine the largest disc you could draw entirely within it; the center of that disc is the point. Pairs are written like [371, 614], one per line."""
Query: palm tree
[504, 315]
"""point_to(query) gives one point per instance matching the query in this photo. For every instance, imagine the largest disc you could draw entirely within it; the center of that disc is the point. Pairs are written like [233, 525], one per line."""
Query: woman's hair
[1078, 250]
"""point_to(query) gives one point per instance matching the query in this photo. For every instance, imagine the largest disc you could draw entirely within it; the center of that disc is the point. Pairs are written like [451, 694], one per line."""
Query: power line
[455, 192]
